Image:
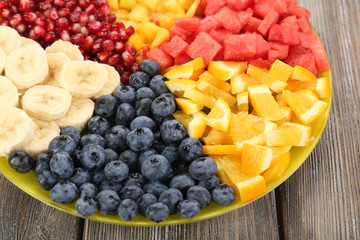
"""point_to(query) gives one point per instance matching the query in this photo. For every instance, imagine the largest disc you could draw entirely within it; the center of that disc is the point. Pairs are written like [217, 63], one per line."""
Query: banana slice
[80, 112]
[56, 62]
[71, 50]
[83, 79]
[9, 95]
[46, 102]
[16, 128]
[26, 66]
[112, 83]
[44, 132]
[9, 39]
[28, 41]
[2, 61]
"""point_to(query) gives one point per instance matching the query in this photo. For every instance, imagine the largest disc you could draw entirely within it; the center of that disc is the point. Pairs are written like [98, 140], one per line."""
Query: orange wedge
[219, 149]
[196, 74]
[302, 74]
[323, 88]
[289, 134]
[240, 82]
[207, 77]
[219, 116]
[217, 137]
[280, 150]
[226, 70]
[280, 71]
[252, 188]
[222, 163]
[197, 64]
[264, 103]
[179, 86]
[255, 159]
[180, 71]
[194, 124]
[162, 36]
[242, 101]
[294, 85]
[199, 97]
[287, 115]
[263, 76]
[277, 167]
[187, 106]
[280, 99]
[215, 92]
[245, 127]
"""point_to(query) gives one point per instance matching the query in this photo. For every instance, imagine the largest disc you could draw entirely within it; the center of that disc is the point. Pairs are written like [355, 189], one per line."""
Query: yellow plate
[27, 182]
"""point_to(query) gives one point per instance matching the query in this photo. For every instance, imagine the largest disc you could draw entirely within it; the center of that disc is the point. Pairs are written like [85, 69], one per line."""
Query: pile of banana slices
[43, 91]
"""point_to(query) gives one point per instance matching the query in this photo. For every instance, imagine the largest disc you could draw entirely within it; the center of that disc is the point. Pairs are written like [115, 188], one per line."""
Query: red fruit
[27, 5]
[108, 45]
[62, 23]
[97, 46]
[121, 26]
[105, 9]
[182, 58]
[289, 34]
[252, 25]
[110, 18]
[299, 12]
[105, 25]
[5, 13]
[262, 47]
[43, 6]
[123, 36]
[77, 39]
[119, 47]
[3, 4]
[240, 47]
[120, 69]
[101, 34]
[162, 58]
[228, 19]
[130, 31]
[60, 3]
[128, 58]
[84, 31]
[219, 35]
[207, 24]
[40, 22]
[88, 43]
[130, 48]
[104, 55]
[125, 78]
[188, 24]
[239, 4]
[175, 47]
[278, 51]
[16, 20]
[53, 14]
[83, 18]
[64, 35]
[261, 63]
[75, 28]
[304, 25]
[204, 46]
[50, 37]
[90, 9]
[275, 33]
[115, 59]
[270, 19]
[113, 36]
[21, 28]
[64, 12]
[83, 4]
[213, 6]
[4, 23]
[93, 27]
[30, 17]
[71, 4]
[74, 17]
[320, 56]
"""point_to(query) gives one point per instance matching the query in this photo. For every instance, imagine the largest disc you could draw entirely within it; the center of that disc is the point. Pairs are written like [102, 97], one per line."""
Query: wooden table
[320, 201]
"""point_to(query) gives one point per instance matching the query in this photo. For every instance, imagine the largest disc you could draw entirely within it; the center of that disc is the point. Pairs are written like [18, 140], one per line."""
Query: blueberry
[111, 155]
[109, 185]
[76, 158]
[71, 132]
[92, 157]
[151, 67]
[64, 192]
[145, 92]
[108, 202]
[159, 145]
[202, 168]
[98, 125]
[190, 149]
[155, 168]
[143, 107]
[171, 197]
[62, 165]
[170, 152]
[97, 177]
[210, 183]
[140, 139]
[106, 106]
[224, 195]
[125, 113]
[20, 161]
[160, 120]
[125, 94]
[42, 163]
[46, 179]
[188, 208]
[157, 212]
[163, 106]
[173, 131]
[169, 95]
[127, 210]
[131, 159]
[158, 86]
[135, 179]
[80, 176]
[139, 79]
[144, 201]
[116, 171]
[199, 194]
[92, 139]
[143, 121]
[144, 155]
[155, 188]
[131, 192]
[62, 143]
[86, 206]
[182, 182]
[115, 138]
[88, 190]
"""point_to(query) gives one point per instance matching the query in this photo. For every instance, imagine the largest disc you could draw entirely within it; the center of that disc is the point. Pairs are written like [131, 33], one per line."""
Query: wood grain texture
[22, 217]
[321, 200]
[255, 221]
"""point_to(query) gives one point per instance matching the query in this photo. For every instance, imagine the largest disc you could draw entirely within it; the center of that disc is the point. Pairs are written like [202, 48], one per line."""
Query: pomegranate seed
[134, 68]
[5, 13]
[108, 45]
[88, 43]
[114, 27]
[104, 55]
[92, 18]
[4, 23]
[40, 22]
[120, 25]
[83, 4]
[74, 17]
[64, 35]
[50, 27]
[113, 36]
[62, 23]
[13, 9]
[75, 28]
[40, 15]
[105, 25]
[87, 57]
[30, 16]
[128, 58]
[21, 28]
[3, 4]
[16, 20]
[27, 5]
[97, 47]
[130, 48]
[120, 69]
[102, 33]
[83, 18]
[120, 47]
[39, 31]
[130, 30]
[98, 15]
[100, 2]
[114, 59]
[77, 9]
[64, 12]
[46, 13]
[90, 9]
[77, 39]
[44, 6]
[125, 78]
[60, 3]
[50, 37]
[84, 31]
[93, 27]
[141, 55]
[123, 36]
[53, 14]
[71, 4]
[110, 18]
[105, 9]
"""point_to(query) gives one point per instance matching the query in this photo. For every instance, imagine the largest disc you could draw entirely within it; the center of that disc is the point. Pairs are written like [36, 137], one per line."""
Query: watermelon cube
[290, 3]
[240, 47]
[213, 6]
[261, 63]
[289, 34]
[219, 35]
[299, 11]
[307, 40]
[291, 20]
[175, 30]
[162, 58]
[262, 8]
[188, 24]
[204, 46]
[262, 47]
[175, 46]
[252, 25]
[278, 51]
[306, 60]
[244, 17]
[320, 56]
[240, 4]
[182, 58]
[207, 24]
[304, 25]
[270, 19]
[279, 6]
[275, 33]
[228, 19]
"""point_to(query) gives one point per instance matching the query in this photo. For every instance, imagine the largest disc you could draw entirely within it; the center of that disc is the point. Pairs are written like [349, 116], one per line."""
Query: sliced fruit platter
[161, 111]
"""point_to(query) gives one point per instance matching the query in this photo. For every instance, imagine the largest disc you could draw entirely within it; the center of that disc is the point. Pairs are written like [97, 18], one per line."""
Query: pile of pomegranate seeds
[86, 23]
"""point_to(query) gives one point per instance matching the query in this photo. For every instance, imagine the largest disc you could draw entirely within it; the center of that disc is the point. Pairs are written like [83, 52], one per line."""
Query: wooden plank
[321, 200]
[24, 217]
[255, 221]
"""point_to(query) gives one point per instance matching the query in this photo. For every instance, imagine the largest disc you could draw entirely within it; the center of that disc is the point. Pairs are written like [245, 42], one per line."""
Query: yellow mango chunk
[161, 36]
[137, 41]
[196, 64]
[225, 86]
[148, 31]
[127, 4]
[150, 4]
[194, 124]
[192, 9]
[113, 4]
[139, 13]
[121, 14]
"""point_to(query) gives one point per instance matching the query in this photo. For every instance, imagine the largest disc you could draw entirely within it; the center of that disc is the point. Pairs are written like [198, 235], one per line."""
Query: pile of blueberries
[135, 159]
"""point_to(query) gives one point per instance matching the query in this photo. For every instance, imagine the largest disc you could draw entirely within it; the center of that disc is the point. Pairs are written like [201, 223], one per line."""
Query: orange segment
[228, 170]
[280, 71]
[187, 106]
[196, 64]
[280, 99]
[161, 36]
[219, 116]
[242, 101]
[280, 150]
[294, 85]
[264, 103]
[255, 159]
[287, 115]
[219, 149]
[215, 92]
[180, 71]
[183, 118]
[289, 134]
[252, 188]
[194, 124]
[277, 167]
[323, 88]
[217, 137]
[179, 86]
[196, 74]
[226, 70]
[302, 74]
[200, 97]
[207, 77]
[263, 76]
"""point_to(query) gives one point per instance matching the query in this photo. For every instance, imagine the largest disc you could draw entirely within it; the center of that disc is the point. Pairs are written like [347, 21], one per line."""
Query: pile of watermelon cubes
[256, 31]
